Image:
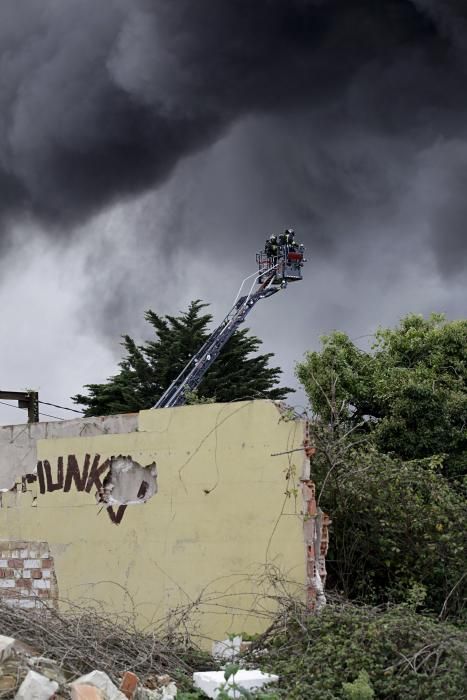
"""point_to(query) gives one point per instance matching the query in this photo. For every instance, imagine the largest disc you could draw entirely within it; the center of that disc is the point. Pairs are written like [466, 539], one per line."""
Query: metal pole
[33, 407]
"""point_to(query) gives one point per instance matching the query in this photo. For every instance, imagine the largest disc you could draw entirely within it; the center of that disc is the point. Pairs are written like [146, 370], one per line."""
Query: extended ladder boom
[271, 278]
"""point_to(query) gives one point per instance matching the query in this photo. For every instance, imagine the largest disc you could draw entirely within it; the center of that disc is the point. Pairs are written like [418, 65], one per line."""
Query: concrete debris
[48, 668]
[6, 647]
[86, 692]
[167, 693]
[100, 680]
[163, 688]
[228, 650]
[128, 483]
[212, 682]
[7, 682]
[320, 596]
[36, 687]
[35, 677]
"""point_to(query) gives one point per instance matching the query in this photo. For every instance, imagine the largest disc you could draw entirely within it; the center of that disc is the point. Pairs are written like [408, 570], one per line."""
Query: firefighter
[287, 237]
[290, 236]
[271, 247]
[274, 248]
[293, 245]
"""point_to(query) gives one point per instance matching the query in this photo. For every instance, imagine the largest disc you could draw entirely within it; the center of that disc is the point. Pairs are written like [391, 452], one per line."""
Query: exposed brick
[7, 583]
[23, 583]
[40, 583]
[27, 574]
[32, 563]
[309, 529]
[129, 684]
[316, 536]
[15, 602]
[15, 563]
[6, 593]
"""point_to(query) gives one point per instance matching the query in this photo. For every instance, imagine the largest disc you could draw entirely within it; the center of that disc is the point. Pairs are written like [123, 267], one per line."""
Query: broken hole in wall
[127, 482]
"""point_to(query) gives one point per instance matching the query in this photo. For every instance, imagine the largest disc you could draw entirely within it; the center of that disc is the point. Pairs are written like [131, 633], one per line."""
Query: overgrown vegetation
[147, 370]
[389, 426]
[360, 652]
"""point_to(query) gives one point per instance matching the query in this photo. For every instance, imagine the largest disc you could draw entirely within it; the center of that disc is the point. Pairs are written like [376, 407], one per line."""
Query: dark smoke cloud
[146, 147]
[99, 101]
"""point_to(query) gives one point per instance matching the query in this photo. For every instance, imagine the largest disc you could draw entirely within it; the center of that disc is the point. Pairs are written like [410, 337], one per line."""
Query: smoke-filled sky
[148, 147]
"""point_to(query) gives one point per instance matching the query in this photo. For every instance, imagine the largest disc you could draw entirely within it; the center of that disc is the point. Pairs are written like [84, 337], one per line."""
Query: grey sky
[143, 168]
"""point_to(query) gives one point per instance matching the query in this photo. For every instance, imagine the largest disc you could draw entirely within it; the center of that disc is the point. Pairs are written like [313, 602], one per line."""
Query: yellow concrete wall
[225, 509]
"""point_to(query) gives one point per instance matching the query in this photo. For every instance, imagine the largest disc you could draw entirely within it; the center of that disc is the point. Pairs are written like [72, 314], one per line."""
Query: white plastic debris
[211, 682]
[6, 647]
[228, 650]
[100, 680]
[36, 687]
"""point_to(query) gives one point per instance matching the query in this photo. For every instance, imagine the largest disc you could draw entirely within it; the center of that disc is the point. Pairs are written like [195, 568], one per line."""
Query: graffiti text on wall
[69, 473]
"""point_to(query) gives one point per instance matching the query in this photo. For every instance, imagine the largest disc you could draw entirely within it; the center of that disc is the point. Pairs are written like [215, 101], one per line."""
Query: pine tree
[148, 369]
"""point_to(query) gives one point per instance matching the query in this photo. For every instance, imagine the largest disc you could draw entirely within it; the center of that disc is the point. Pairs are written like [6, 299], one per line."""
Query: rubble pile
[26, 676]
[84, 654]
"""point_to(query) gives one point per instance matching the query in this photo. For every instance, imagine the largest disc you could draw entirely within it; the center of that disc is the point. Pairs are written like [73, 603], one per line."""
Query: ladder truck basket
[287, 265]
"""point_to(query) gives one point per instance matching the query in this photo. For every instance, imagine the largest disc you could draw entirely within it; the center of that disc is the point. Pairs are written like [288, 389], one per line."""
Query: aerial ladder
[279, 263]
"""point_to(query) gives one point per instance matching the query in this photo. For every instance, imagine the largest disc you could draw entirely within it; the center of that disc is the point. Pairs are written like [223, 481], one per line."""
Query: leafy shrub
[397, 527]
[360, 689]
[396, 653]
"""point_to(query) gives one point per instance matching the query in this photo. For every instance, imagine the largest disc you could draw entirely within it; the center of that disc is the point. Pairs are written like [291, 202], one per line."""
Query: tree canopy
[410, 390]
[148, 369]
[389, 425]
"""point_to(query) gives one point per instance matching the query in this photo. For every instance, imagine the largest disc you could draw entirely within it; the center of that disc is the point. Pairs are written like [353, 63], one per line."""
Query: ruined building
[205, 508]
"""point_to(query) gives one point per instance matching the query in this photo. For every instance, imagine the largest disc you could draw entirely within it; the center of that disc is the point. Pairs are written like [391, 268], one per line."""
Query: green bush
[410, 389]
[396, 653]
[396, 527]
[360, 689]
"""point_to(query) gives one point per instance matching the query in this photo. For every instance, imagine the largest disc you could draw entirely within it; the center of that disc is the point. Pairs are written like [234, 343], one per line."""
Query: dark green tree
[148, 369]
[410, 390]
